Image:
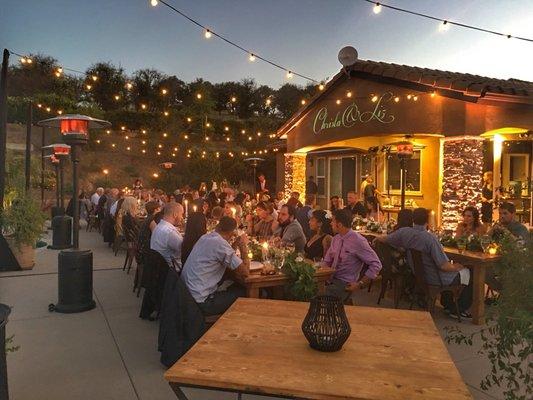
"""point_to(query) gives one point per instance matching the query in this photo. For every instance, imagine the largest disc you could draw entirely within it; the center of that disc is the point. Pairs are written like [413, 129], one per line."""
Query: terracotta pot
[24, 254]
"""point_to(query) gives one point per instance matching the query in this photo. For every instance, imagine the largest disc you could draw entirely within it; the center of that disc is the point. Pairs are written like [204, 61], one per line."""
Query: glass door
[342, 175]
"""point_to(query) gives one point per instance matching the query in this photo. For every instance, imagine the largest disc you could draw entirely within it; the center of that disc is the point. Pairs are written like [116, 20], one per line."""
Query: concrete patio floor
[109, 353]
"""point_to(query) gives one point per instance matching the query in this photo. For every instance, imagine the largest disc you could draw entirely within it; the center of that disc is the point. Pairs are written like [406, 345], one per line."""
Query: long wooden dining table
[256, 281]
[478, 262]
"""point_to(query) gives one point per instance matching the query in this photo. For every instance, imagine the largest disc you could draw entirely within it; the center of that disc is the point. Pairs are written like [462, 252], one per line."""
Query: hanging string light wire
[444, 21]
[232, 43]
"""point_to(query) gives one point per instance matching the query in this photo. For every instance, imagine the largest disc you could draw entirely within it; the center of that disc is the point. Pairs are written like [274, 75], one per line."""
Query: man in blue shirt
[437, 266]
[210, 257]
[166, 239]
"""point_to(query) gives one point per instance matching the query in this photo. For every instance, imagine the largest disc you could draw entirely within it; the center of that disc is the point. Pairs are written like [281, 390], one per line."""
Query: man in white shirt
[210, 257]
[96, 196]
[166, 239]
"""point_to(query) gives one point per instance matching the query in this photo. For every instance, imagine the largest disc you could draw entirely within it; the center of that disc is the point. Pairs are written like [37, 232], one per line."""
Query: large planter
[25, 254]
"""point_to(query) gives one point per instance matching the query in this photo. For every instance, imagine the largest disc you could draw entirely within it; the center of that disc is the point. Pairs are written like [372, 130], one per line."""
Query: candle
[250, 255]
[493, 250]
[264, 251]
[194, 208]
[186, 208]
[233, 211]
[432, 220]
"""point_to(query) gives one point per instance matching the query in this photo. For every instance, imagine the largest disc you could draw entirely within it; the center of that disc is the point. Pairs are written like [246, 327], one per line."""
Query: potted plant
[22, 225]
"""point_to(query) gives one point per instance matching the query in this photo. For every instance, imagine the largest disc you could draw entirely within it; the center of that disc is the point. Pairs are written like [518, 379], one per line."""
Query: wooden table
[478, 262]
[257, 347]
[255, 281]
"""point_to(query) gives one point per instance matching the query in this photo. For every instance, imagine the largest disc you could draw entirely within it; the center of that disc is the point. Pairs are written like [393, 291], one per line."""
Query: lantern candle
[264, 250]
[194, 208]
[493, 250]
[186, 208]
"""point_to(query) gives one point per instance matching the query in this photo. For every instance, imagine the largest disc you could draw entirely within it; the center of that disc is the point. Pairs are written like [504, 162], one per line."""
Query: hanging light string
[444, 22]
[251, 54]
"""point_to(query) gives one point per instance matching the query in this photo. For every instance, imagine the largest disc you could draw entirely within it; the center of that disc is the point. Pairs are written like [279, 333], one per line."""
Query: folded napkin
[464, 275]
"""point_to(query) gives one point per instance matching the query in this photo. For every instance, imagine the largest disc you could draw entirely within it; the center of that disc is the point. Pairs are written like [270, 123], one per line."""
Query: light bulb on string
[94, 78]
[88, 87]
[396, 99]
[164, 91]
[117, 97]
[207, 34]
[268, 101]
[321, 87]
[444, 26]
[251, 57]
[303, 102]
[243, 131]
[349, 94]
[198, 96]
[374, 99]
[338, 102]
[189, 119]
[289, 74]
[233, 99]
[154, 3]
[143, 106]
[166, 113]
[377, 8]
[129, 85]
[226, 128]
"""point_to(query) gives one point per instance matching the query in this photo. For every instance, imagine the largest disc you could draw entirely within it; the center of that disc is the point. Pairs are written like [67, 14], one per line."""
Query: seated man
[348, 254]
[435, 261]
[290, 231]
[355, 206]
[166, 239]
[210, 257]
[507, 220]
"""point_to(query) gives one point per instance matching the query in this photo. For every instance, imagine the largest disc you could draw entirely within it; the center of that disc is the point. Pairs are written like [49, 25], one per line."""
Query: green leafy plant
[302, 285]
[10, 347]
[23, 221]
[507, 339]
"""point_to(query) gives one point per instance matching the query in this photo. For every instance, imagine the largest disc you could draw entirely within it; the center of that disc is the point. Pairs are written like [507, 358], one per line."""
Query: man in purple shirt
[348, 254]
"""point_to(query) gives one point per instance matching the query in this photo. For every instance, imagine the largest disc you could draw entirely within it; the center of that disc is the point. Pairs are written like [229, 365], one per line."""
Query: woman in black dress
[195, 228]
[319, 243]
[487, 200]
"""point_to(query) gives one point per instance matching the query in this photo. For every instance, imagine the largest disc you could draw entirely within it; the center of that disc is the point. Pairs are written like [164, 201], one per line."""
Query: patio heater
[61, 223]
[405, 152]
[75, 266]
[254, 162]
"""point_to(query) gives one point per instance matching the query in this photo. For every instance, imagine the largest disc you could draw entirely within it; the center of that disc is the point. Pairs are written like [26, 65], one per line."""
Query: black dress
[316, 249]
[486, 207]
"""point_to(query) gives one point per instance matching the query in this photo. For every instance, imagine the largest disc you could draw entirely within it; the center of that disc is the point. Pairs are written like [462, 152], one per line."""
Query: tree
[287, 99]
[147, 85]
[110, 82]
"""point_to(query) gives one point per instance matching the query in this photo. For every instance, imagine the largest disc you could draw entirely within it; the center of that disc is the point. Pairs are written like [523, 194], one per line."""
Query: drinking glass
[461, 244]
[485, 242]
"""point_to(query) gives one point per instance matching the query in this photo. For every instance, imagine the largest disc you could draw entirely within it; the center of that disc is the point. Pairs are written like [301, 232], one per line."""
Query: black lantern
[405, 152]
[326, 326]
[75, 266]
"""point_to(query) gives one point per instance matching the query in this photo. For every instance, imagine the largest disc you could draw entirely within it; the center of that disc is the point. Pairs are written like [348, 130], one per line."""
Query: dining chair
[389, 277]
[432, 291]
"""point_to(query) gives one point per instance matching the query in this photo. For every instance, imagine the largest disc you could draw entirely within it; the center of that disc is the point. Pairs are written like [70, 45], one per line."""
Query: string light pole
[75, 266]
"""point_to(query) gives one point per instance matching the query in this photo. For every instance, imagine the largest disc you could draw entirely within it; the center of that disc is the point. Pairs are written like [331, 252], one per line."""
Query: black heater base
[56, 210]
[75, 282]
[62, 232]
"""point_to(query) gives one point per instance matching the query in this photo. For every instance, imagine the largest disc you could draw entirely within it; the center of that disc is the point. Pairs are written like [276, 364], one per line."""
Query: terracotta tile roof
[467, 83]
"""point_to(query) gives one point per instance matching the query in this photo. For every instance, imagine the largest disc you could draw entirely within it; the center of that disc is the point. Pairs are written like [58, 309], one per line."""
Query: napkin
[464, 275]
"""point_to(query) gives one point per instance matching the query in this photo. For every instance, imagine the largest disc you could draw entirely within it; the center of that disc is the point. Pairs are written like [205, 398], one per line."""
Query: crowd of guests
[204, 234]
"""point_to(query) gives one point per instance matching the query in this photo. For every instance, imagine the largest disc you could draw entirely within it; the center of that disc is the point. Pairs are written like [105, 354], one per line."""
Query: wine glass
[461, 244]
[485, 242]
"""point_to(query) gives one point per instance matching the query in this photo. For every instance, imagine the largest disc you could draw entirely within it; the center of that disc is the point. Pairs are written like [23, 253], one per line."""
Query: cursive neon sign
[352, 115]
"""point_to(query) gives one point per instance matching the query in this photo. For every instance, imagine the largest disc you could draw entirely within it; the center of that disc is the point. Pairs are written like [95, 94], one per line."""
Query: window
[321, 176]
[412, 173]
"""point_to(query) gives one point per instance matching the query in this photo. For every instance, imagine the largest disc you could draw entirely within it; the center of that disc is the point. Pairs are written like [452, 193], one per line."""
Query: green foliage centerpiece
[302, 285]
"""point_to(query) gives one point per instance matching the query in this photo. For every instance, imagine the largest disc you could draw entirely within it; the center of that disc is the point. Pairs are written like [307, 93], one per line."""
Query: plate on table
[256, 265]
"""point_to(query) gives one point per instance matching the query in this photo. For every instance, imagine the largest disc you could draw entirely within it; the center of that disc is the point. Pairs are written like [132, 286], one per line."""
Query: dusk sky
[303, 35]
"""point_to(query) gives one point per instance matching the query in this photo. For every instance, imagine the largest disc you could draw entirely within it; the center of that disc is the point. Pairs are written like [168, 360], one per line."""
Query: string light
[415, 98]
[251, 57]
[207, 138]
[143, 106]
[268, 101]
[113, 145]
[163, 91]
[433, 94]
[129, 85]
[338, 101]
[186, 136]
[198, 96]
[94, 78]
[377, 8]
[243, 131]
[207, 124]
[117, 97]
[302, 102]
[144, 142]
[144, 131]
[396, 99]
[207, 34]
[154, 3]
[233, 99]
[226, 128]
[165, 134]
[349, 94]
[126, 137]
[166, 113]
[409, 96]
[155, 174]
[89, 87]
[445, 23]
[374, 99]
[249, 138]
[143, 151]
[289, 74]
[189, 119]
[59, 112]
[321, 87]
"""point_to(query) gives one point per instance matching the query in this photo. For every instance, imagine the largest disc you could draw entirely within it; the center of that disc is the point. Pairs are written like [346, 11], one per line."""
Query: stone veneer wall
[294, 174]
[462, 178]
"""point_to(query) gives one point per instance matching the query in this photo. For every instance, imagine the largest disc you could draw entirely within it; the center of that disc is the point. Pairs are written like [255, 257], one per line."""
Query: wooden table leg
[252, 292]
[478, 303]
[321, 287]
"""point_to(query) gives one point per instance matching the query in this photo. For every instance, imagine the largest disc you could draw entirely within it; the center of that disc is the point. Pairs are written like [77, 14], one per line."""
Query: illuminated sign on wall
[352, 115]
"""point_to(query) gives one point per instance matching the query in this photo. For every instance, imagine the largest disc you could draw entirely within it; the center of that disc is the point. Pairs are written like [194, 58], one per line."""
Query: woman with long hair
[372, 205]
[334, 203]
[195, 228]
[126, 219]
[471, 224]
[319, 243]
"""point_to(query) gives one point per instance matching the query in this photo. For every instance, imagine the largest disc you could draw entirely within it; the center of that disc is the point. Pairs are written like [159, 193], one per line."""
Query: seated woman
[263, 224]
[471, 224]
[334, 203]
[372, 206]
[127, 219]
[195, 228]
[319, 243]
